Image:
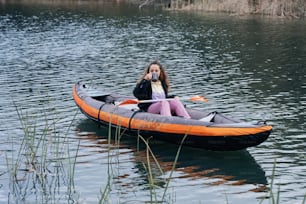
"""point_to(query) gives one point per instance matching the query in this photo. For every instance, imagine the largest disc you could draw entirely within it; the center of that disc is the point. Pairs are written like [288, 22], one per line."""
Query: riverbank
[292, 9]
[279, 8]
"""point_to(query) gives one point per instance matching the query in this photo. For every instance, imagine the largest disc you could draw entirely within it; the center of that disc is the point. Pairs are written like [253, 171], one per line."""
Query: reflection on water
[248, 67]
[209, 168]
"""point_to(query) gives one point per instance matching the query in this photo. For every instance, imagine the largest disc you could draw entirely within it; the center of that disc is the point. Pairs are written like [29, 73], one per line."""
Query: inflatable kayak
[207, 130]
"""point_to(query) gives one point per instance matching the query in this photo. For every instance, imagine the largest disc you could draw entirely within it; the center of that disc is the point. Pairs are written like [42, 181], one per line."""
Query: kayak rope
[100, 111]
[135, 112]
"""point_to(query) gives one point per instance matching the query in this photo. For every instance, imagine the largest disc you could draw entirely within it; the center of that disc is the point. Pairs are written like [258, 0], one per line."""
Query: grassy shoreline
[280, 8]
[290, 9]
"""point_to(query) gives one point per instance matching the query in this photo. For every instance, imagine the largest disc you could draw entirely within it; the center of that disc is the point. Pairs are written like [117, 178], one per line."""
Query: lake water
[252, 68]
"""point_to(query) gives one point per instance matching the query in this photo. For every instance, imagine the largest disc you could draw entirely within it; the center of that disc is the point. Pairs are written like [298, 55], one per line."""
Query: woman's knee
[176, 103]
[165, 103]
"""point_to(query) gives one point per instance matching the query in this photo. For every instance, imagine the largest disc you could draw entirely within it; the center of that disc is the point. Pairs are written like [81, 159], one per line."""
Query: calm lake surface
[248, 67]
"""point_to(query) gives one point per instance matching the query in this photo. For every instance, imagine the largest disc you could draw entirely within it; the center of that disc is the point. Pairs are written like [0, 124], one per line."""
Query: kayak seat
[109, 99]
[106, 99]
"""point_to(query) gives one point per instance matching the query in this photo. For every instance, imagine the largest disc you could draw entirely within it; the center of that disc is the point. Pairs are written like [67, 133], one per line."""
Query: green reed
[112, 148]
[105, 192]
[274, 197]
[36, 164]
[154, 196]
[174, 165]
[148, 168]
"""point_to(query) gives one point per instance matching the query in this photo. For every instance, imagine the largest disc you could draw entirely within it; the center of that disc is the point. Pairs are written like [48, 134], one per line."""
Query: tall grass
[275, 196]
[37, 164]
[273, 199]
[104, 197]
[114, 141]
[148, 168]
[150, 159]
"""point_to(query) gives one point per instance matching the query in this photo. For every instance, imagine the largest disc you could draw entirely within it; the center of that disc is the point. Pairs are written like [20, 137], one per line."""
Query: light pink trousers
[168, 108]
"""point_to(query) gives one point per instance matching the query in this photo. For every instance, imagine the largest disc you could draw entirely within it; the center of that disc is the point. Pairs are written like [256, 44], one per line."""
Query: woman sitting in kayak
[154, 84]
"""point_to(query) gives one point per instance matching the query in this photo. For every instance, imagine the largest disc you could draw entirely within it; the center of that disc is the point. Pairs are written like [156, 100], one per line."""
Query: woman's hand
[148, 76]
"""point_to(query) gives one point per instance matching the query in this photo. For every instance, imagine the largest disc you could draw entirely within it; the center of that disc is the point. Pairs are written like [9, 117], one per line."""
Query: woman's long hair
[163, 75]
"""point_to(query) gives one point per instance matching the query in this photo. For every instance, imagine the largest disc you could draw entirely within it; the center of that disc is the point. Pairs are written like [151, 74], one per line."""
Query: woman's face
[155, 68]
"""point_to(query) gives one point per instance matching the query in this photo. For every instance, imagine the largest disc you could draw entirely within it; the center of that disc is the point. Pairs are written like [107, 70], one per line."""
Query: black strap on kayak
[100, 111]
[135, 112]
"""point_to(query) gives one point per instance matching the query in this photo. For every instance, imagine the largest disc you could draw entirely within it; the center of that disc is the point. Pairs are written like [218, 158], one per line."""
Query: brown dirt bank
[279, 8]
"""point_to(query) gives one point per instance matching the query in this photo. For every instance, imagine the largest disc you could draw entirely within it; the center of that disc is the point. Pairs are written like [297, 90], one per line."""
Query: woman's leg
[162, 107]
[178, 108]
